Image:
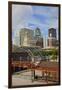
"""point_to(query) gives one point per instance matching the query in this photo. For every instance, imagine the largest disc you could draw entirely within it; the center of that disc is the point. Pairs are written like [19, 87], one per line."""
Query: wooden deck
[45, 67]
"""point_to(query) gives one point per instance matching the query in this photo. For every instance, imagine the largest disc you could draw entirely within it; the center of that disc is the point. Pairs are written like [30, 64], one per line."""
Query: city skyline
[27, 16]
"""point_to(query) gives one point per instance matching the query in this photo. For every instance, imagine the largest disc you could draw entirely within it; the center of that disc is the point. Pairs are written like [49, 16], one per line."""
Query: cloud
[46, 15]
[47, 11]
[20, 15]
[33, 16]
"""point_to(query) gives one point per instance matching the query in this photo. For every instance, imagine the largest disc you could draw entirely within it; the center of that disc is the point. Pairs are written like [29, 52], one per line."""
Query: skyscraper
[52, 32]
[37, 33]
[38, 37]
[29, 38]
[52, 38]
[26, 36]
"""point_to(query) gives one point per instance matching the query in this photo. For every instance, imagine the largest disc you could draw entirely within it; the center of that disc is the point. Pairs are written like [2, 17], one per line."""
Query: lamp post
[32, 64]
[33, 71]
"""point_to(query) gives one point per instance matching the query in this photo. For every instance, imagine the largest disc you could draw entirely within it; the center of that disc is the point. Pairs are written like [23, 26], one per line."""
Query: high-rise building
[26, 36]
[29, 38]
[38, 37]
[52, 38]
[37, 33]
[52, 33]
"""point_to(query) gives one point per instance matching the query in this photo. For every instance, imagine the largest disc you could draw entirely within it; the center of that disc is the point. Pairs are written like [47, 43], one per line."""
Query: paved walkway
[25, 78]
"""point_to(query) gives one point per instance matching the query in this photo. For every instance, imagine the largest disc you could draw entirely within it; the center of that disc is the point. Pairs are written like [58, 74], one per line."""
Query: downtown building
[52, 38]
[39, 38]
[26, 36]
[31, 38]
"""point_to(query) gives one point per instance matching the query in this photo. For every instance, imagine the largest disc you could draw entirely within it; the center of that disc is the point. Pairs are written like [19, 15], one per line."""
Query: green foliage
[54, 57]
[38, 53]
[52, 52]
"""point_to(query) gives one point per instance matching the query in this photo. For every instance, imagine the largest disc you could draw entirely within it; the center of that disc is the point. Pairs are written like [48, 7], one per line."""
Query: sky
[28, 16]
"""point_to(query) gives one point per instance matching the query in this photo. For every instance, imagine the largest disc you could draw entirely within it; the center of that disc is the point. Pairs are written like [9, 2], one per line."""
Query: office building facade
[30, 38]
[52, 38]
[26, 36]
[38, 38]
[52, 33]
